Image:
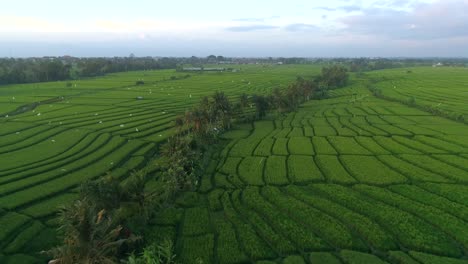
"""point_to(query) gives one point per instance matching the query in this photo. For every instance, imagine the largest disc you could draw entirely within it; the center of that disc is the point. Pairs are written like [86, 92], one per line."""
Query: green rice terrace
[358, 177]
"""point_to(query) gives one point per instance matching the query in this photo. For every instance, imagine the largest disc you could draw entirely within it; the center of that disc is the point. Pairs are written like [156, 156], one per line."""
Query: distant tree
[261, 105]
[334, 77]
[221, 110]
[244, 100]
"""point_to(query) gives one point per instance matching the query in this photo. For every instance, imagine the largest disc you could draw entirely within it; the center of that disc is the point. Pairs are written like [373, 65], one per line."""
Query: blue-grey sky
[332, 28]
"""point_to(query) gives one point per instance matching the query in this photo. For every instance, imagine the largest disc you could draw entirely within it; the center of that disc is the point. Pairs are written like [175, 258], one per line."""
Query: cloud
[301, 27]
[350, 8]
[249, 19]
[325, 8]
[438, 20]
[28, 24]
[346, 8]
[260, 19]
[251, 28]
[394, 3]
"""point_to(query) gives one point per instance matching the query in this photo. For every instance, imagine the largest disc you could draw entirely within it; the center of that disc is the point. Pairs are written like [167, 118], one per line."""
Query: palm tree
[261, 105]
[199, 119]
[91, 236]
[179, 123]
[244, 100]
[221, 109]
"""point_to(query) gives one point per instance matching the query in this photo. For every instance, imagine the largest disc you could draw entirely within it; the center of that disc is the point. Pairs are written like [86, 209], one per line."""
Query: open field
[98, 127]
[349, 179]
[443, 89]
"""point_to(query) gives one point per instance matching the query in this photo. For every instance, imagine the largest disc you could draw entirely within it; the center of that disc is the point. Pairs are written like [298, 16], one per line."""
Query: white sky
[234, 28]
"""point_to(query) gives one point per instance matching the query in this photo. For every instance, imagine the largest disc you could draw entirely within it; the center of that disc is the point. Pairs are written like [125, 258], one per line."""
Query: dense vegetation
[248, 173]
[100, 125]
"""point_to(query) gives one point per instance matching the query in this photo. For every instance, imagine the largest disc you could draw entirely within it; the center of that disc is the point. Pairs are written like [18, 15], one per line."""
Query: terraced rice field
[350, 179]
[100, 126]
[442, 88]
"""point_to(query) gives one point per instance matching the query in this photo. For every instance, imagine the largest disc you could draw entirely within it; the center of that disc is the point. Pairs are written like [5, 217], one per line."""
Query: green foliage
[400, 257]
[253, 246]
[155, 254]
[91, 235]
[275, 171]
[295, 259]
[433, 259]
[411, 231]
[302, 237]
[251, 170]
[353, 257]
[168, 216]
[300, 146]
[196, 221]
[24, 237]
[10, 222]
[303, 169]
[228, 250]
[214, 200]
[197, 249]
[368, 229]
[280, 147]
[322, 146]
[449, 224]
[334, 77]
[367, 169]
[323, 257]
[19, 258]
[179, 165]
[333, 170]
[324, 225]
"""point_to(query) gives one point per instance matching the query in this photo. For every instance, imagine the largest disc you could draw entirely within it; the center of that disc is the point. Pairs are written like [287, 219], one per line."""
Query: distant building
[203, 69]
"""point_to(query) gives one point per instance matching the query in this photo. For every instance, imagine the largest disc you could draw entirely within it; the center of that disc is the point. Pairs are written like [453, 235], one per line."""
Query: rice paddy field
[348, 179]
[441, 88]
[97, 125]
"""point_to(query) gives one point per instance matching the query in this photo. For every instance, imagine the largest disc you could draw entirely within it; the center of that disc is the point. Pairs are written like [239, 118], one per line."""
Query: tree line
[30, 70]
[44, 69]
